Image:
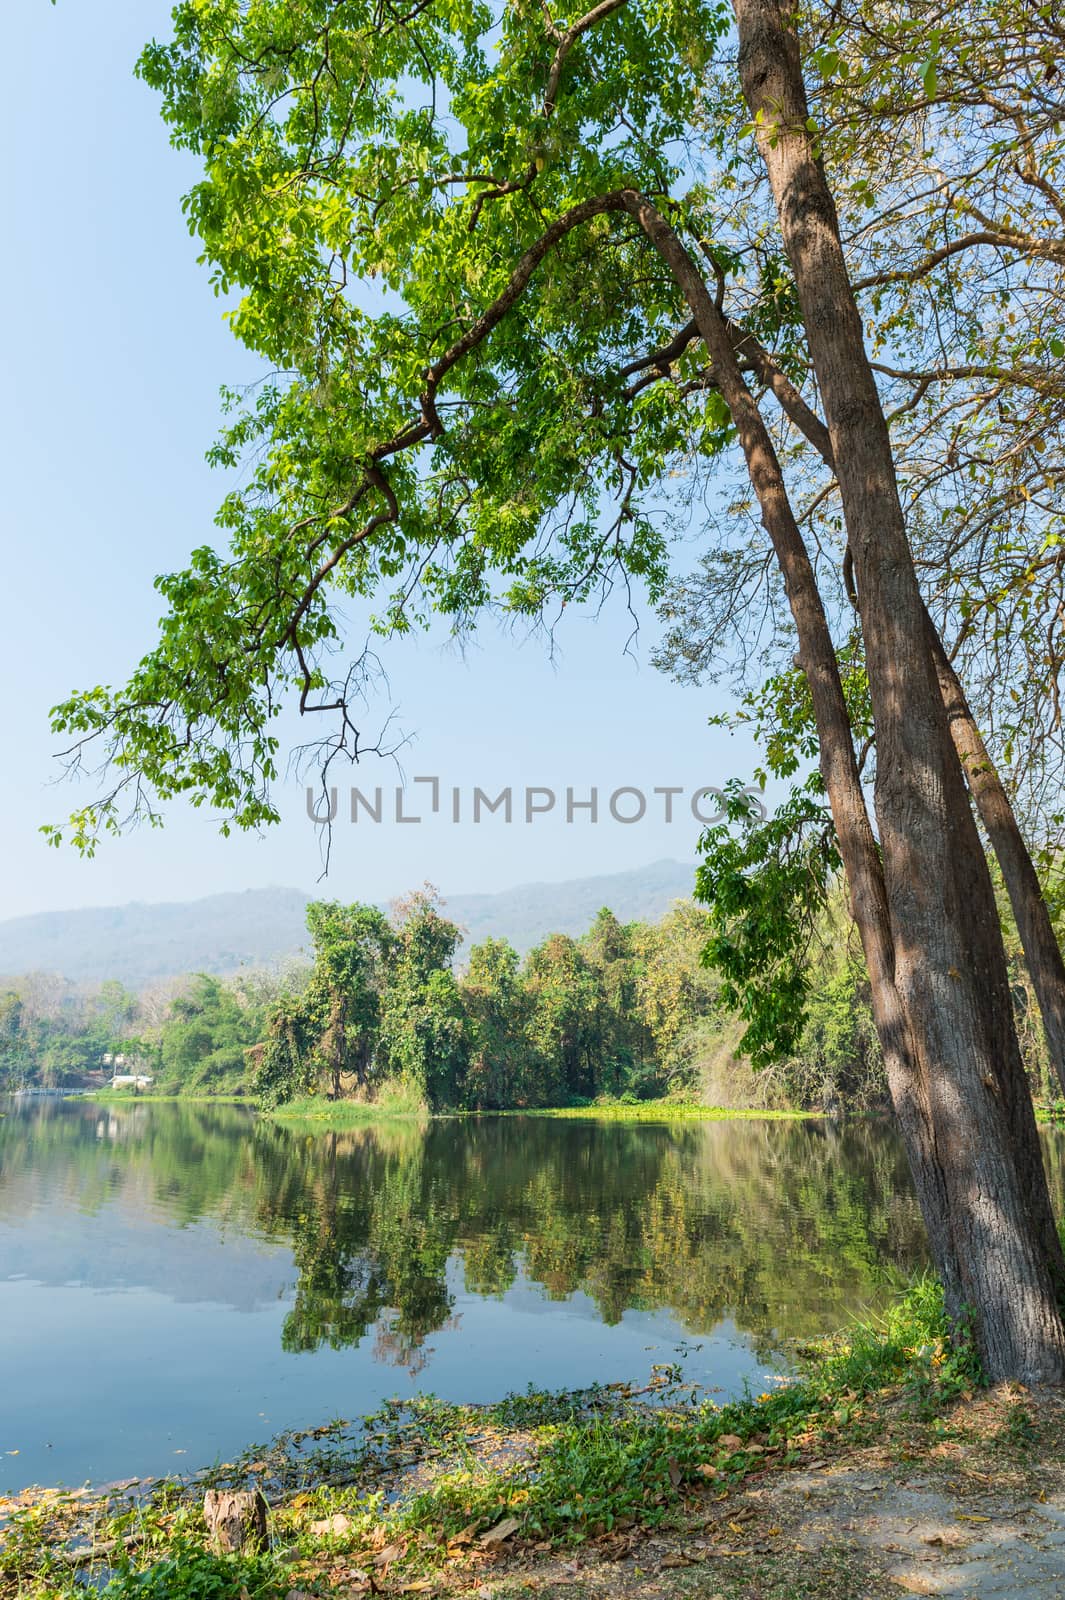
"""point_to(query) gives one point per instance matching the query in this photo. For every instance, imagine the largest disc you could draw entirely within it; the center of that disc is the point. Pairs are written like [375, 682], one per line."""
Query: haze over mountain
[139, 943]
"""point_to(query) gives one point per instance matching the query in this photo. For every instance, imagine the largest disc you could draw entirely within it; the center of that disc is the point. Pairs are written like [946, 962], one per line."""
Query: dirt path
[927, 1538]
[978, 1516]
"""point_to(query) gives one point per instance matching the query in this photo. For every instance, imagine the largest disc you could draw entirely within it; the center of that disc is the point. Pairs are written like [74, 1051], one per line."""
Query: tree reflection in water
[785, 1227]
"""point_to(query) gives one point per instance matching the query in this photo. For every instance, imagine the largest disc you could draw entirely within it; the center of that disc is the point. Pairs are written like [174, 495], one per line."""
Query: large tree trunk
[1042, 951]
[968, 1122]
[839, 767]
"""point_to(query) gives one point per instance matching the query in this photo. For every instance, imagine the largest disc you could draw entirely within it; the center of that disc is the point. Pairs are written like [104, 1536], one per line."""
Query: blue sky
[113, 350]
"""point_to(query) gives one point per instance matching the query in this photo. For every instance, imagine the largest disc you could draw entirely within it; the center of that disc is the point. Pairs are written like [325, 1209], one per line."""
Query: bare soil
[970, 1506]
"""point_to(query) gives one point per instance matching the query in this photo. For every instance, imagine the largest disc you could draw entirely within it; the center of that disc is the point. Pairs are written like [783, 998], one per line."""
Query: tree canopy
[519, 272]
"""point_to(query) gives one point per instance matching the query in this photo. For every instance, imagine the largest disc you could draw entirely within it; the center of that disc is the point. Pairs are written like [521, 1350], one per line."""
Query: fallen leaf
[707, 1471]
[731, 1441]
[338, 1523]
[390, 1553]
[675, 1474]
[501, 1531]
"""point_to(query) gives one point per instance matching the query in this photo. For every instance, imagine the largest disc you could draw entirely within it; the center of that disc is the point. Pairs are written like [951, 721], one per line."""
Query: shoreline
[340, 1116]
[593, 1492]
[343, 1114]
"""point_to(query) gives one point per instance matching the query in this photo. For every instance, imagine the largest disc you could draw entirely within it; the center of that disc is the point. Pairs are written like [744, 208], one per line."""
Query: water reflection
[180, 1281]
[785, 1227]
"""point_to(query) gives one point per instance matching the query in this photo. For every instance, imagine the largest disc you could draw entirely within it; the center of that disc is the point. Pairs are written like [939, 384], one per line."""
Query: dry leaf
[707, 1471]
[338, 1523]
[731, 1441]
[675, 1474]
[390, 1553]
[501, 1531]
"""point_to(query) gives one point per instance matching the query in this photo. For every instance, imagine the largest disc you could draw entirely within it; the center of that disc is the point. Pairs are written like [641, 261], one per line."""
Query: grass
[336, 1115]
[660, 1111]
[410, 1496]
[126, 1096]
[394, 1102]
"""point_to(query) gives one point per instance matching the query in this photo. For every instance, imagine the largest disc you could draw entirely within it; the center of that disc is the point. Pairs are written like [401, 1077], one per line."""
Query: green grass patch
[660, 1111]
[128, 1096]
[336, 1115]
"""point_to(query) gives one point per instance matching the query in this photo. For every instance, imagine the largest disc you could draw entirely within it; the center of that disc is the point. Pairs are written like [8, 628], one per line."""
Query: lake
[180, 1281]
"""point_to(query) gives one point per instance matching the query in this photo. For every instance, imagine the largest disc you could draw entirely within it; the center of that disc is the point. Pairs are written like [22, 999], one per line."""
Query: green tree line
[624, 1011]
[629, 1012]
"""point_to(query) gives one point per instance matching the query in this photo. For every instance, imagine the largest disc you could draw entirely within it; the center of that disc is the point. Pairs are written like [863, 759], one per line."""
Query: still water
[178, 1282]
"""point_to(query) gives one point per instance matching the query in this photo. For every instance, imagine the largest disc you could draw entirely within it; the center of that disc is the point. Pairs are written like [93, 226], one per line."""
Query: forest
[393, 1009]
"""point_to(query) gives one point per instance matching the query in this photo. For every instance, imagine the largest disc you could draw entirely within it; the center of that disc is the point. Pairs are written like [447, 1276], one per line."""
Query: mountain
[140, 943]
[526, 915]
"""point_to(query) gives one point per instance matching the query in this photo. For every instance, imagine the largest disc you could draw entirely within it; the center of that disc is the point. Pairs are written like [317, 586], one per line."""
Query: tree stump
[236, 1520]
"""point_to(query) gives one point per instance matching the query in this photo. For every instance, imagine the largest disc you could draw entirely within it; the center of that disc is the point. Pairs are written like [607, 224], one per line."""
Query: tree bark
[970, 1130]
[236, 1520]
[839, 767]
[1042, 952]
[1046, 965]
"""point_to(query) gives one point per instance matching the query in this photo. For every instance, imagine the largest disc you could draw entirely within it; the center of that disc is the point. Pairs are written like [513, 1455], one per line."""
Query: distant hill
[139, 943]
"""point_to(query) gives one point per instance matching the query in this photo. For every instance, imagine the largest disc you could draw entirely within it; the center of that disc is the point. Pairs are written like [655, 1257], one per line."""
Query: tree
[352, 945]
[568, 317]
[497, 1006]
[204, 1041]
[330, 1027]
[568, 1024]
[14, 1060]
[424, 1037]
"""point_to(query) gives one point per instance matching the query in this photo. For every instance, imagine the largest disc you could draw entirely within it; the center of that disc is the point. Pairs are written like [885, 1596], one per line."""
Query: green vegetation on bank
[336, 1115]
[632, 1020]
[624, 1012]
[419, 1493]
[667, 1111]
